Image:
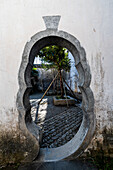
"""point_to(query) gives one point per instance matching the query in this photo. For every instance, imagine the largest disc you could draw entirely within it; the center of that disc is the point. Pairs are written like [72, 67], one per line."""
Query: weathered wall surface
[91, 22]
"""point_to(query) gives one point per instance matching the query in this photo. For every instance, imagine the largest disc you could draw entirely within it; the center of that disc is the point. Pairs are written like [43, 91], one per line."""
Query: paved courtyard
[59, 124]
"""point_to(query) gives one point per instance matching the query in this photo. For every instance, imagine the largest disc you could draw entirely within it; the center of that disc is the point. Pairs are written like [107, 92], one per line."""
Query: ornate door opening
[50, 36]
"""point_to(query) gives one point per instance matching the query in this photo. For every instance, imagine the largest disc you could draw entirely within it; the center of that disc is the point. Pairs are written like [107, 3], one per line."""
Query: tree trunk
[61, 85]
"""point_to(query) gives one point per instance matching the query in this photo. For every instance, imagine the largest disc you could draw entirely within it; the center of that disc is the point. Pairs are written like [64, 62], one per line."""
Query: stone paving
[61, 128]
[60, 165]
[58, 123]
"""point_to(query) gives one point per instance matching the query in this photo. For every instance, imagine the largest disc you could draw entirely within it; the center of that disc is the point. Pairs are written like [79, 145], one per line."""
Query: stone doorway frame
[81, 140]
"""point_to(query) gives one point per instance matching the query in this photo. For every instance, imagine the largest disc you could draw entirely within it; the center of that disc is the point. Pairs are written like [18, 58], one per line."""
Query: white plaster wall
[91, 22]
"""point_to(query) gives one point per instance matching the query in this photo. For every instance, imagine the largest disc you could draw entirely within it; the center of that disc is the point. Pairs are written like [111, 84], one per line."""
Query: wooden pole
[69, 87]
[48, 88]
[36, 116]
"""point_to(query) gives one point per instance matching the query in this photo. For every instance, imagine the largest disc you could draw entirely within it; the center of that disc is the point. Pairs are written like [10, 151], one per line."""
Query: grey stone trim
[79, 143]
[51, 22]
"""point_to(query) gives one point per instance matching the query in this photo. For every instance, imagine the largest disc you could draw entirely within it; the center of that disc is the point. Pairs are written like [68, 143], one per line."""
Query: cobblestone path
[58, 123]
[60, 129]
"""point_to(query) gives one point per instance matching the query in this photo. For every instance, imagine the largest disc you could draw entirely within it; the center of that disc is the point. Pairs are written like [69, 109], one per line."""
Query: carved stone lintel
[51, 22]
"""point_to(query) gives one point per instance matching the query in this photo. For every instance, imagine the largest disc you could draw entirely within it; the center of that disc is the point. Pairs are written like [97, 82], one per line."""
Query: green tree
[56, 57]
